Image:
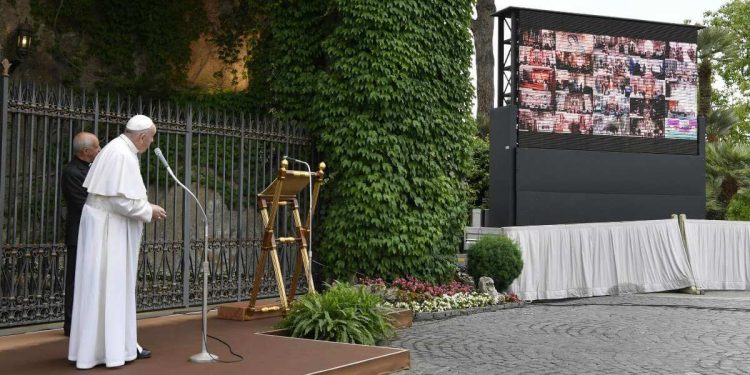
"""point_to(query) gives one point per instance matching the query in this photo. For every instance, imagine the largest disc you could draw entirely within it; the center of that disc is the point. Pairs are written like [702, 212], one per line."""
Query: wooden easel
[283, 192]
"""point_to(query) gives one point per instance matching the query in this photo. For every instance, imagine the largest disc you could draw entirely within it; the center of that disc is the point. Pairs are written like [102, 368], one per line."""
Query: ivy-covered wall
[140, 46]
[185, 50]
[385, 86]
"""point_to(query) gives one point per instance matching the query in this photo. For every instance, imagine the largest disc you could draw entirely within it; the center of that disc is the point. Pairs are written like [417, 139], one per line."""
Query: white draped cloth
[719, 253]
[103, 329]
[595, 259]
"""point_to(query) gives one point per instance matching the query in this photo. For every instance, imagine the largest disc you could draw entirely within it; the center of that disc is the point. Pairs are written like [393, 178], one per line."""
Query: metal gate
[226, 158]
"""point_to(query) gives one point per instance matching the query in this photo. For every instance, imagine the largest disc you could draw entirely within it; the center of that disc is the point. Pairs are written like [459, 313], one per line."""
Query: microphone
[159, 155]
[204, 356]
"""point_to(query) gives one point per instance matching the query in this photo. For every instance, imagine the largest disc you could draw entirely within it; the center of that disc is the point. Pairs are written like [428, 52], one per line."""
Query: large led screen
[579, 83]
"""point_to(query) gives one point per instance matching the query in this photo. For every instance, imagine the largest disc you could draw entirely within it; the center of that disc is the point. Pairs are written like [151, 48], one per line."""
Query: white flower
[446, 302]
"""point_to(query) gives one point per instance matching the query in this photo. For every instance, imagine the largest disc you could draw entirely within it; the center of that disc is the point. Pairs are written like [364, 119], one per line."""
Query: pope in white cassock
[103, 327]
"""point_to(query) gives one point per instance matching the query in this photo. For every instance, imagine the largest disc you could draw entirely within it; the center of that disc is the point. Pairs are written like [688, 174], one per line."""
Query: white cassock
[103, 327]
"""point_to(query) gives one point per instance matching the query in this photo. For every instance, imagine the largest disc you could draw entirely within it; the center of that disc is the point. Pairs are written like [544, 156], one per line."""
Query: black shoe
[143, 354]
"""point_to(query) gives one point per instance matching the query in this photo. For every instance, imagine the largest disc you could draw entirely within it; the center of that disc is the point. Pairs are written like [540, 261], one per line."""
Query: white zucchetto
[139, 122]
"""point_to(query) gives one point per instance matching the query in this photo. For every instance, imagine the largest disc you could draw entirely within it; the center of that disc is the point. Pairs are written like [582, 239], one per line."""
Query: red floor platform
[173, 339]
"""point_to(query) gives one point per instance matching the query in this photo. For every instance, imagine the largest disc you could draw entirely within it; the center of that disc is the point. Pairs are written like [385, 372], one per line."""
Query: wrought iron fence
[226, 158]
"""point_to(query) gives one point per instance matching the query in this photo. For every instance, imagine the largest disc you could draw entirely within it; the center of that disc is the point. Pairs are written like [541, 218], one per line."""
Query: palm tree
[715, 45]
[720, 123]
[727, 164]
[727, 171]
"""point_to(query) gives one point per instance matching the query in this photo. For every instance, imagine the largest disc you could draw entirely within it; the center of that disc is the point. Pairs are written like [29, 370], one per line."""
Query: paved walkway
[660, 333]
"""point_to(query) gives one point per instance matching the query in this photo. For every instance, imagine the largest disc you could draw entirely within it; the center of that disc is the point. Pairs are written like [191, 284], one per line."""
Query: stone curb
[438, 315]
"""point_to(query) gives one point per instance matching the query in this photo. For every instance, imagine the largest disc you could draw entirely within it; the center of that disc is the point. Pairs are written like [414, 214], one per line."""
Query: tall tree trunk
[482, 28]
[704, 95]
[704, 87]
[729, 188]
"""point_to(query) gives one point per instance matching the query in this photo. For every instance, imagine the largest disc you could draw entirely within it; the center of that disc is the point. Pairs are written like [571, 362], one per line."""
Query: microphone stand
[204, 356]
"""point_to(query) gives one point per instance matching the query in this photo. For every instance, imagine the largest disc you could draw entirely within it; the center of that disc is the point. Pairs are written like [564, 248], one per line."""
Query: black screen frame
[525, 19]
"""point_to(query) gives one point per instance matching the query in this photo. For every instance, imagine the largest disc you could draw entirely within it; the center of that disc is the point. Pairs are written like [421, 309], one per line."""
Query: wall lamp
[23, 39]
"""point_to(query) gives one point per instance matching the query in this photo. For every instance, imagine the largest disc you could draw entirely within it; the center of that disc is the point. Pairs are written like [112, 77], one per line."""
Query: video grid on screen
[607, 85]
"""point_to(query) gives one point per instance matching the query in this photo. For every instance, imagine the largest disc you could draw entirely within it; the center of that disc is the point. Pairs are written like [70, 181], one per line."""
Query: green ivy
[236, 31]
[386, 87]
[145, 47]
[479, 173]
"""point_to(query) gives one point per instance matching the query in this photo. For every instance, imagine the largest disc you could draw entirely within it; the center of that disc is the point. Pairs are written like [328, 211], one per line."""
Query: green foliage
[739, 206]
[733, 19]
[727, 172]
[715, 209]
[144, 46]
[725, 99]
[386, 87]
[742, 127]
[260, 65]
[721, 122]
[497, 257]
[479, 174]
[343, 314]
[234, 34]
[715, 45]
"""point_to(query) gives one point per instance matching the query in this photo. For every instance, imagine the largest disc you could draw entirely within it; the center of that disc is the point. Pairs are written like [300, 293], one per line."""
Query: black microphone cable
[229, 347]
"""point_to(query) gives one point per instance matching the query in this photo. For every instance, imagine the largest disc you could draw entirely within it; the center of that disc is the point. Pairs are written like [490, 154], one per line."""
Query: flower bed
[445, 302]
[435, 315]
[429, 301]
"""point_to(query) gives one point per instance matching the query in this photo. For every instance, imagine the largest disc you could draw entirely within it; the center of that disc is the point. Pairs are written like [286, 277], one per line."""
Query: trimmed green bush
[739, 207]
[343, 314]
[497, 257]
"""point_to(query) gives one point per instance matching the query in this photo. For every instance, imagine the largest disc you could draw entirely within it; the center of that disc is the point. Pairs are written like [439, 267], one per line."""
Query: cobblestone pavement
[658, 333]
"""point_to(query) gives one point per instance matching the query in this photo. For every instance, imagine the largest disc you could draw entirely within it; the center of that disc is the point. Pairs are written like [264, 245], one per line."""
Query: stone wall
[223, 221]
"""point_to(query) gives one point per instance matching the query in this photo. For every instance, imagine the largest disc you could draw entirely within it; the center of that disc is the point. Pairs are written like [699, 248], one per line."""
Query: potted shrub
[497, 257]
